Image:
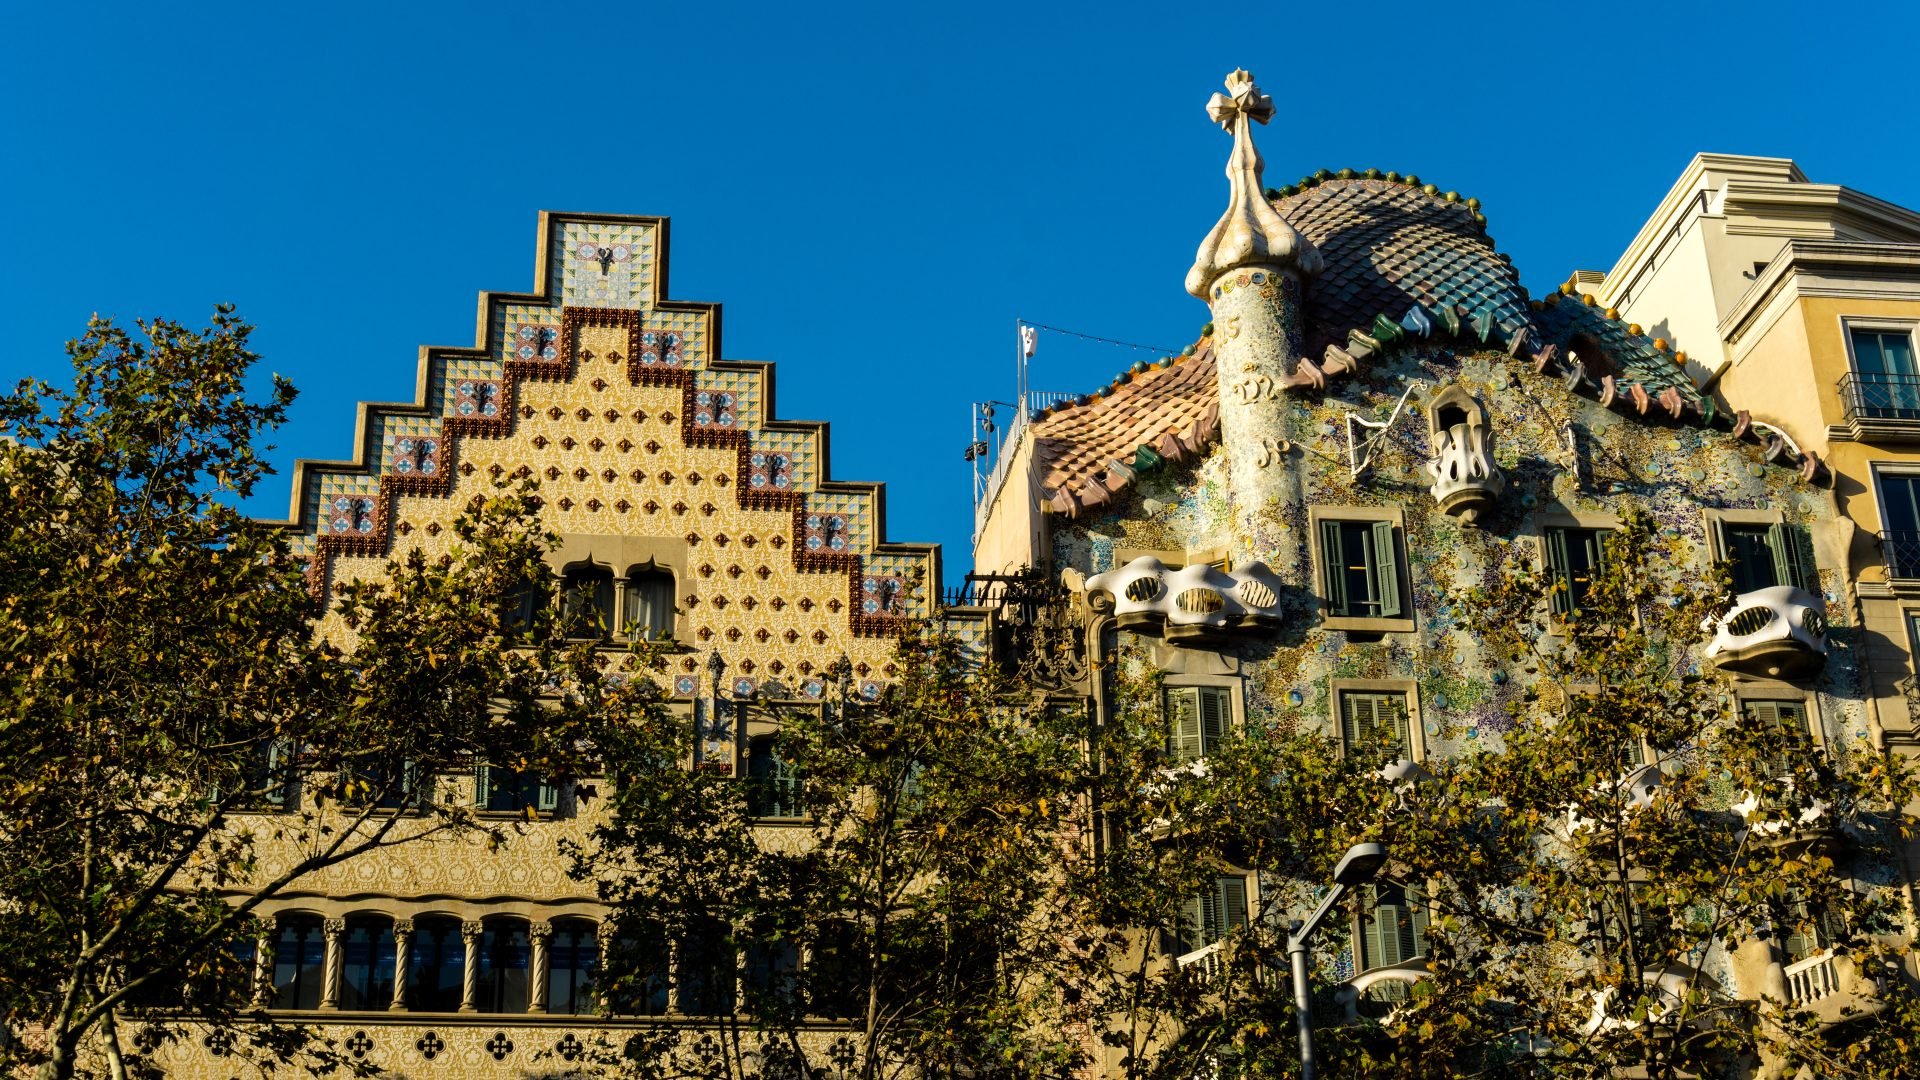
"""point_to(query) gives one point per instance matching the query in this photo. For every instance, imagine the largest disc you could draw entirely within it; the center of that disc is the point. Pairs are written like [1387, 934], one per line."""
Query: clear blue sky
[874, 193]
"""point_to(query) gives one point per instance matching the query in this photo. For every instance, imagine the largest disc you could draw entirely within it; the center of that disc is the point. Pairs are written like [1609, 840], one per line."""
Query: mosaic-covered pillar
[1249, 271]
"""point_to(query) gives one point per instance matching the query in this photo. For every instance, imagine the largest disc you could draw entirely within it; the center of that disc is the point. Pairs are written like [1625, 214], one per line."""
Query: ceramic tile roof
[1403, 261]
[1084, 454]
[1389, 246]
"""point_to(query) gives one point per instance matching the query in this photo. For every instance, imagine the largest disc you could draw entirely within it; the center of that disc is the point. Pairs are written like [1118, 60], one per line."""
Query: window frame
[1230, 687]
[1781, 541]
[1754, 692]
[1366, 924]
[1337, 689]
[1879, 324]
[1394, 519]
[1197, 905]
[1545, 525]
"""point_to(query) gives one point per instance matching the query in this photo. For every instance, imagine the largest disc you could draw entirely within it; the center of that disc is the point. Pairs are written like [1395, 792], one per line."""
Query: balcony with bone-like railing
[1779, 632]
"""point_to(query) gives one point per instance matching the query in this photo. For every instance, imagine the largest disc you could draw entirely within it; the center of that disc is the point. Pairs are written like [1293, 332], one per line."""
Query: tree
[178, 743]
[905, 892]
[1588, 881]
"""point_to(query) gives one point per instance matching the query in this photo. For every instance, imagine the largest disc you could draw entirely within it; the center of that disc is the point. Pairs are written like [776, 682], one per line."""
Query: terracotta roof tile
[1173, 410]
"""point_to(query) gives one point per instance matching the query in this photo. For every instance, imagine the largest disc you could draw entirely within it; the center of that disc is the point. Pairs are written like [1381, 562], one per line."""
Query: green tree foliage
[906, 895]
[177, 743]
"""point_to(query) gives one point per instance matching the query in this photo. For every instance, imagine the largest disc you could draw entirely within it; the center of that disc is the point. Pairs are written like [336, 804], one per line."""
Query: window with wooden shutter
[1573, 557]
[1361, 566]
[1197, 719]
[1372, 721]
[1789, 717]
[1761, 556]
[1394, 929]
[1212, 915]
[506, 791]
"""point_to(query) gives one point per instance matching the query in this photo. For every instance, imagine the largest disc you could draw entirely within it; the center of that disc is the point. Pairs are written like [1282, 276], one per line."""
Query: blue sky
[874, 193]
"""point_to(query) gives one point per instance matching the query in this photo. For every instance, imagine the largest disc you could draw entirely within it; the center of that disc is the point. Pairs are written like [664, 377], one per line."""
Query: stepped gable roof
[1086, 453]
[1403, 261]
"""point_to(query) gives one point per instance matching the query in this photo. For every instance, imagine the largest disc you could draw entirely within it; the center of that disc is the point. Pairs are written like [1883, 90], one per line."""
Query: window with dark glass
[1212, 915]
[1197, 718]
[395, 785]
[649, 606]
[505, 790]
[1900, 518]
[1394, 928]
[1376, 722]
[1574, 556]
[1761, 556]
[1788, 720]
[436, 965]
[834, 970]
[506, 955]
[366, 963]
[772, 969]
[299, 958]
[706, 966]
[638, 967]
[587, 593]
[775, 787]
[1361, 569]
[1886, 382]
[572, 956]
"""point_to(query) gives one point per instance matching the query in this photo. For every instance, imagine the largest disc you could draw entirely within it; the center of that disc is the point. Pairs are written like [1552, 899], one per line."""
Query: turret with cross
[1249, 270]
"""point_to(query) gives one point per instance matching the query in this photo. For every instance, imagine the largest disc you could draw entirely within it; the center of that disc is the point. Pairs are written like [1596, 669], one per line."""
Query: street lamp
[1357, 867]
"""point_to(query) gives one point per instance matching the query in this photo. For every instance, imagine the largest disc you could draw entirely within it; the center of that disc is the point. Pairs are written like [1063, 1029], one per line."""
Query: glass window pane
[366, 970]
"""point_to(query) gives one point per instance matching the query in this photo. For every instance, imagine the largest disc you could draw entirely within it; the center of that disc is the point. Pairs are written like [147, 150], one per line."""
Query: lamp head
[1359, 865]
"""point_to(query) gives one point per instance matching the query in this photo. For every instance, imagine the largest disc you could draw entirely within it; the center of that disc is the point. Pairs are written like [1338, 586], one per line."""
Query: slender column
[470, 977]
[541, 933]
[402, 957]
[605, 934]
[263, 971]
[336, 932]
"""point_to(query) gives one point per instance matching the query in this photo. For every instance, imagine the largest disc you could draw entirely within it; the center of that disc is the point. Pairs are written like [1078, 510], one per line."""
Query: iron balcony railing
[1901, 550]
[1880, 396]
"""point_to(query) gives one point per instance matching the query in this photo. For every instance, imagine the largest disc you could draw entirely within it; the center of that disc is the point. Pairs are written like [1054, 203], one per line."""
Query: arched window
[775, 785]
[366, 968]
[299, 960]
[505, 957]
[706, 969]
[637, 977]
[572, 957]
[588, 593]
[834, 971]
[436, 965]
[649, 605]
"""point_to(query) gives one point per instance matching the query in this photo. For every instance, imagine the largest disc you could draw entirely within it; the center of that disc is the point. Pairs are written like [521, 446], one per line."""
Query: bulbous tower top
[1251, 232]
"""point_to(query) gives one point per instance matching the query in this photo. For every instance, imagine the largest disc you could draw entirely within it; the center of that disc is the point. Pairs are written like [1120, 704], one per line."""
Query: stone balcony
[1778, 632]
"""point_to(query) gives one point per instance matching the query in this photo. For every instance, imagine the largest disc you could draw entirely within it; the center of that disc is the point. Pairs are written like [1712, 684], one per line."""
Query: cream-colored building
[1798, 305]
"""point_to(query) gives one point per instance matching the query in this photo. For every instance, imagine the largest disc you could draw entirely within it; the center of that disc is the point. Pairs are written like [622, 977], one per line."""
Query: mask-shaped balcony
[1779, 632]
[1194, 604]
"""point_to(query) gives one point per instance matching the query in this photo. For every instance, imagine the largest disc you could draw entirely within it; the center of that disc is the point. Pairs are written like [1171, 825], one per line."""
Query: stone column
[541, 934]
[1249, 270]
[470, 976]
[336, 930]
[263, 970]
[604, 934]
[402, 956]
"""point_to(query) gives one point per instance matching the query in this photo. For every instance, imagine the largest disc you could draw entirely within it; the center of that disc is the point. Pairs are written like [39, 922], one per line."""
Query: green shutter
[1192, 927]
[1333, 562]
[1213, 717]
[1233, 904]
[1784, 542]
[547, 798]
[1396, 930]
[1356, 718]
[1392, 708]
[1386, 570]
[482, 786]
[1717, 537]
[1186, 741]
[1558, 568]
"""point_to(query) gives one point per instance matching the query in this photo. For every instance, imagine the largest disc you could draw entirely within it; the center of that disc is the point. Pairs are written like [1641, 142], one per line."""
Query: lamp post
[1357, 867]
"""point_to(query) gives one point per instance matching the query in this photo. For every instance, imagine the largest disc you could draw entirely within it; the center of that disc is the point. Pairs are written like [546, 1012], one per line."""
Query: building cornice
[1679, 198]
[1840, 269]
[1813, 211]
